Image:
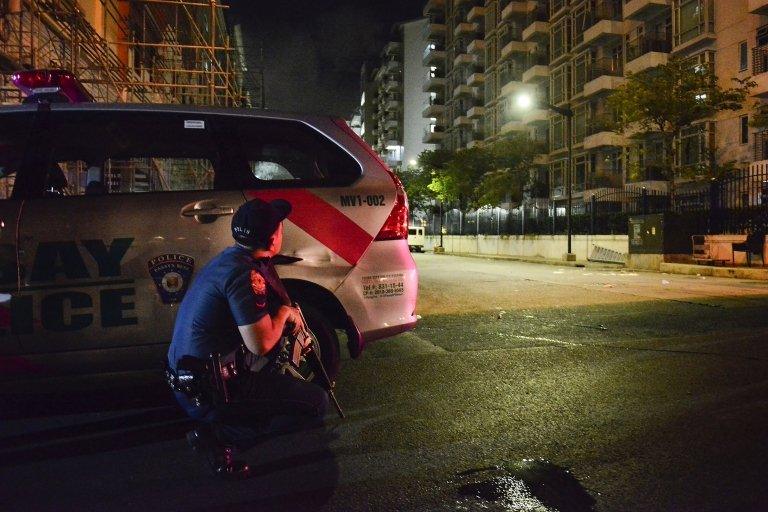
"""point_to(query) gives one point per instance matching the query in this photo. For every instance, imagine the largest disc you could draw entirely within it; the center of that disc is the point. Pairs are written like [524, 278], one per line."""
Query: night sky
[313, 49]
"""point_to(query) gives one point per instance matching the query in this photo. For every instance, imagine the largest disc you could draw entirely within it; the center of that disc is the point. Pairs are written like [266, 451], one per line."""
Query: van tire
[326, 336]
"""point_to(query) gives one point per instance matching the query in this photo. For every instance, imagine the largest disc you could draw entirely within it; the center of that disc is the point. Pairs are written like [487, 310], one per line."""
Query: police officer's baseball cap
[255, 221]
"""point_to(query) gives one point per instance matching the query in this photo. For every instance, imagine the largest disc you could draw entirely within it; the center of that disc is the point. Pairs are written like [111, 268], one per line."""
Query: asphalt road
[525, 387]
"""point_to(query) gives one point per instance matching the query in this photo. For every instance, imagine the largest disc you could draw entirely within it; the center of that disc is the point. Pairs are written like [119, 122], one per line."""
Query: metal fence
[736, 204]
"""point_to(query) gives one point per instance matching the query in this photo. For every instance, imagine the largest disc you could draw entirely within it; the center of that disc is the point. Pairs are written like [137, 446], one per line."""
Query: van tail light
[396, 225]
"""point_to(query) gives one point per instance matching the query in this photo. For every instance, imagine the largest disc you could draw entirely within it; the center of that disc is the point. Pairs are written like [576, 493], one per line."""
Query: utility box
[646, 234]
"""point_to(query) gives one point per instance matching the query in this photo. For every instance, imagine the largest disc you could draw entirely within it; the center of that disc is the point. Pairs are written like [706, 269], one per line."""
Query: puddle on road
[533, 485]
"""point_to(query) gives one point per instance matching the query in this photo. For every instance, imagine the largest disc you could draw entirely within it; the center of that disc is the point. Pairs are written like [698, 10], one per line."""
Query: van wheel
[329, 342]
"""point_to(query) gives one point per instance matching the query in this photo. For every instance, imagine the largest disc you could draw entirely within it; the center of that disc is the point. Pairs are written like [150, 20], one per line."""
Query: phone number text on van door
[375, 200]
[386, 285]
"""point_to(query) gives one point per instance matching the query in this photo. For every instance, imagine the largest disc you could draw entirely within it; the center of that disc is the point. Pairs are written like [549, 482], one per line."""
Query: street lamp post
[525, 102]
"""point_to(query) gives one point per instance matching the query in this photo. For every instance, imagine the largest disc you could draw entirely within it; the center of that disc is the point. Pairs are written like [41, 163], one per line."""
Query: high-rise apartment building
[572, 54]
[394, 95]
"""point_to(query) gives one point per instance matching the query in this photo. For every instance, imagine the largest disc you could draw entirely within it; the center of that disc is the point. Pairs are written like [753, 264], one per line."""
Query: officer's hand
[294, 318]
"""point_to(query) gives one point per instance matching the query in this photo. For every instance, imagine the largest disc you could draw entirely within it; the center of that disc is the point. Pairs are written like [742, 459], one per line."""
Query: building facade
[572, 54]
[148, 51]
[394, 95]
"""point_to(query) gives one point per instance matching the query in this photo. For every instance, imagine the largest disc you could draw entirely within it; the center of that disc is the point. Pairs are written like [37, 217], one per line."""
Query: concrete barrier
[551, 247]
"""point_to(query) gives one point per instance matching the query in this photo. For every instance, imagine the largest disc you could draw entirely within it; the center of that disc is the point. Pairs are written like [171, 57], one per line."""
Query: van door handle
[206, 212]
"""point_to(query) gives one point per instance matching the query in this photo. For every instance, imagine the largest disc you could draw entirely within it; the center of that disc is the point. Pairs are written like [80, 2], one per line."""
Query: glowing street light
[525, 101]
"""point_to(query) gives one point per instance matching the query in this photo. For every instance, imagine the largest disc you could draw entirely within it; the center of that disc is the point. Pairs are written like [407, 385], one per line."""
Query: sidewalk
[754, 273]
[541, 261]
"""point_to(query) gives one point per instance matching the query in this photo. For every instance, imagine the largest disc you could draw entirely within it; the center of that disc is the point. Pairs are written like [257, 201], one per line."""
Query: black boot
[218, 456]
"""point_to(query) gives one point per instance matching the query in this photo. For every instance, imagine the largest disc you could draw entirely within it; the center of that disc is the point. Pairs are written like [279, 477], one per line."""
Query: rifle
[295, 350]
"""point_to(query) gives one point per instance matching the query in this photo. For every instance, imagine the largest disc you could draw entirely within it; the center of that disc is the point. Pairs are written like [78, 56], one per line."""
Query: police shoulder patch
[258, 285]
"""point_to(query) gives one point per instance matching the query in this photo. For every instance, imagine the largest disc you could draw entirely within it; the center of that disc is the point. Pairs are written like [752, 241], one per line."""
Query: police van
[107, 212]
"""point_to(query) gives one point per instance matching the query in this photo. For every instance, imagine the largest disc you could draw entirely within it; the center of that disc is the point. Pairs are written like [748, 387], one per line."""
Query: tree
[511, 165]
[416, 183]
[671, 97]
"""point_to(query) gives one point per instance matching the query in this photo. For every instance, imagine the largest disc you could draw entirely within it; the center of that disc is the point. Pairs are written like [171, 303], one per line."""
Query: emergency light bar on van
[52, 85]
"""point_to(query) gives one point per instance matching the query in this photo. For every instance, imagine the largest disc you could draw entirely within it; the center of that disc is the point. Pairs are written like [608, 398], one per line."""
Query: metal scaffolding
[137, 51]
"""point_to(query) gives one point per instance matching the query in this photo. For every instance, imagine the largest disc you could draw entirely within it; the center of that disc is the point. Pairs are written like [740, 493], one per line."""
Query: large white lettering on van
[60, 272]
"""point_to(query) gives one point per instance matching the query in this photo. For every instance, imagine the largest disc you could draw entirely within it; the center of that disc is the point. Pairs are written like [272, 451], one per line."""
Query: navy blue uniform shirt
[230, 291]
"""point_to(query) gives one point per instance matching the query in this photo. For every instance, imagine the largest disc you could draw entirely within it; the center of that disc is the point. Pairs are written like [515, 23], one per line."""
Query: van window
[286, 153]
[412, 231]
[14, 134]
[94, 152]
[107, 152]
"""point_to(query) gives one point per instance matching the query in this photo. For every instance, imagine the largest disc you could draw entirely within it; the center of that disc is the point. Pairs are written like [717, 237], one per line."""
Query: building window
[559, 84]
[743, 56]
[744, 124]
[693, 147]
[560, 40]
[693, 18]
[557, 133]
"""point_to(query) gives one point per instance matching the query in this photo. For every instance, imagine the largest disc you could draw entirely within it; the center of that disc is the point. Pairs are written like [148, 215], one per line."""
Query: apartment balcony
[392, 66]
[536, 31]
[434, 135]
[511, 88]
[602, 31]
[433, 56]
[603, 75]
[433, 7]
[516, 8]
[463, 59]
[393, 48]
[649, 177]
[476, 47]
[476, 79]
[434, 84]
[435, 30]
[462, 90]
[391, 85]
[465, 29]
[393, 140]
[603, 83]
[536, 74]
[641, 10]
[391, 123]
[601, 139]
[393, 103]
[536, 117]
[476, 112]
[515, 47]
[760, 71]
[462, 121]
[513, 125]
[476, 13]
[432, 110]
[647, 52]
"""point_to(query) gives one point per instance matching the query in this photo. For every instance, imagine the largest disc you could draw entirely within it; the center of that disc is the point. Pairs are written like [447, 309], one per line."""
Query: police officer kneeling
[238, 307]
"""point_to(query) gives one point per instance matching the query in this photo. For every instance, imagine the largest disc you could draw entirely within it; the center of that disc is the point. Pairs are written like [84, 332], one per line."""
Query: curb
[757, 274]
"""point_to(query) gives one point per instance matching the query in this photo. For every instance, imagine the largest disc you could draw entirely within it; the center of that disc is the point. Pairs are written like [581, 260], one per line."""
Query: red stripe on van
[321, 221]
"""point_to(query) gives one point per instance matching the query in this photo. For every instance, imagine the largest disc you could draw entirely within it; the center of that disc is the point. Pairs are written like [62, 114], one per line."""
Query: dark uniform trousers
[264, 404]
